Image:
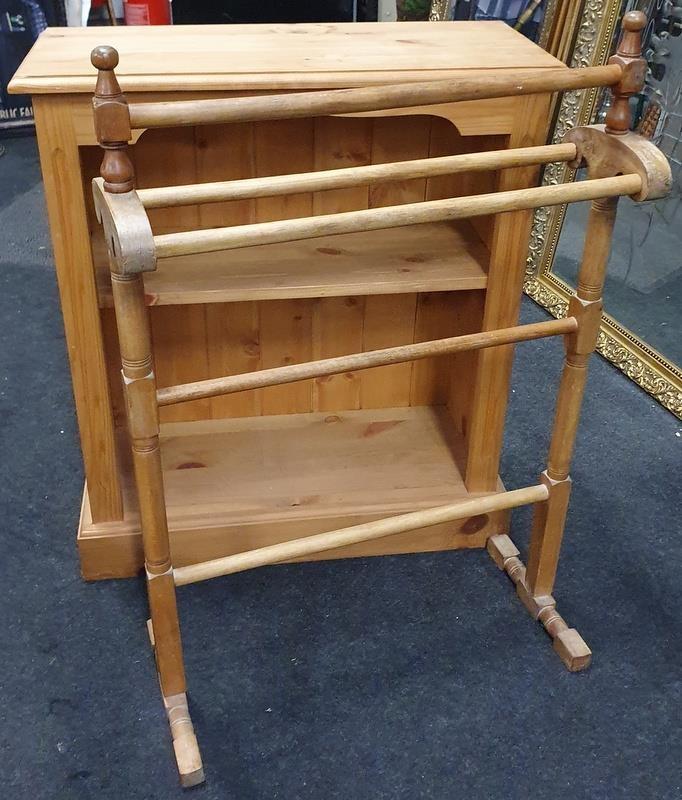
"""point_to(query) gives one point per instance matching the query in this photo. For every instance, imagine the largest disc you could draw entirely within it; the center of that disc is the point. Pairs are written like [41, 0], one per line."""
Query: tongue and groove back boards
[199, 340]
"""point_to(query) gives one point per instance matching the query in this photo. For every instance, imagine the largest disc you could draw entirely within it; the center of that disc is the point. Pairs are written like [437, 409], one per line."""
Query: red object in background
[147, 12]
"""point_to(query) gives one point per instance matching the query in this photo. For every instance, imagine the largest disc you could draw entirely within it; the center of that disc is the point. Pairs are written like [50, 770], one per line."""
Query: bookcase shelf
[444, 256]
[236, 484]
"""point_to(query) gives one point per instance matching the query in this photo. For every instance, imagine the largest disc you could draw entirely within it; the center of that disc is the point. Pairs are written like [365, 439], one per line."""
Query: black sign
[21, 22]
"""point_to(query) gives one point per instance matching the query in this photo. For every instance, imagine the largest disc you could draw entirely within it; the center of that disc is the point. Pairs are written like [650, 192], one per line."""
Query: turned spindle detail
[143, 425]
[629, 57]
[595, 256]
[567, 642]
[586, 307]
[112, 123]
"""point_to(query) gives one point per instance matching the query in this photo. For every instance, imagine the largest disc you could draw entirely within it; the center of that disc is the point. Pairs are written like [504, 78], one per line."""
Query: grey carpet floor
[402, 677]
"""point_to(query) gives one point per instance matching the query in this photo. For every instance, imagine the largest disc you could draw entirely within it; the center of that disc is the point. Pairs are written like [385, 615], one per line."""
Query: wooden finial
[629, 57]
[112, 122]
[105, 60]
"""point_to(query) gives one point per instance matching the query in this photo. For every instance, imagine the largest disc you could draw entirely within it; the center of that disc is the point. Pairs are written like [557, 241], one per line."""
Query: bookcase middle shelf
[442, 256]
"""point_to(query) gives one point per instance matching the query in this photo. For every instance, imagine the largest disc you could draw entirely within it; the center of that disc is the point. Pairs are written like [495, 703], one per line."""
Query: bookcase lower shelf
[238, 484]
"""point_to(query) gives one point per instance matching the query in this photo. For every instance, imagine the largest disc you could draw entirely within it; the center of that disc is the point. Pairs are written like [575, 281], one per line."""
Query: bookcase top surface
[243, 57]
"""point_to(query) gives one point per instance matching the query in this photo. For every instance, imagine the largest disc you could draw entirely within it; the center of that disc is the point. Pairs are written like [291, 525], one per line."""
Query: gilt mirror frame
[593, 42]
[651, 370]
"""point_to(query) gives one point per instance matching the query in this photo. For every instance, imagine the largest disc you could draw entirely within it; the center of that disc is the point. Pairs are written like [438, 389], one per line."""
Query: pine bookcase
[411, 435]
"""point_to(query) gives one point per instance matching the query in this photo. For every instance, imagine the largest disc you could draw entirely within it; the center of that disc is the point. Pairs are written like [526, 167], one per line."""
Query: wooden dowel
[358, 361]
[367, 531]
[210, 240]
[249, 188]
[374, 98]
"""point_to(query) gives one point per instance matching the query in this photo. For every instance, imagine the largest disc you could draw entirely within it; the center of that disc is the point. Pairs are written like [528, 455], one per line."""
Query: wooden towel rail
[331, 540]
[352, 101]
[215, 192]
[358, 361]
[374, 219]
[619, 163]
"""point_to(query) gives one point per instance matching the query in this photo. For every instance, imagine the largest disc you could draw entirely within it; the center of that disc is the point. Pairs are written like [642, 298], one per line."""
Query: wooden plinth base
[234, 485]
[568, 643]
[185, 745]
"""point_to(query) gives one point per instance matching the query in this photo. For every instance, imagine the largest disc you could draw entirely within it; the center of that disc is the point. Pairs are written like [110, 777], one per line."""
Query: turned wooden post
[629, 57]
[586, 306]
[112, 124]
[143, 424]
[567, 642]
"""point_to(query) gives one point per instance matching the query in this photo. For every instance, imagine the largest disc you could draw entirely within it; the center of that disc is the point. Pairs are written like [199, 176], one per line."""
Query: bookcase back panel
[194, 341]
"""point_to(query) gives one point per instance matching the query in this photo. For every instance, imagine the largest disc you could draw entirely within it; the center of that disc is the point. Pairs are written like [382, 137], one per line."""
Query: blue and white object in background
[507, 10]
[21, 22]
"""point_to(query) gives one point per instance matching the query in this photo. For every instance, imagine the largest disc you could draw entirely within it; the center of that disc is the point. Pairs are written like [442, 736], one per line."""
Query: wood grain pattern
[284, 147]
[628, 57]
[225, 153]
[286, 338]
[240, 322]
[445, 139]
[112, 355]
[549, 518]
[412, 259]
[507, 264]
[403, 459]
[389, 321]
[407, 169]
[469, 311]
[440, 256]
[338, 321]
[399, 139]
[270, 56]
[233, 345]
[378, 219]
[176, 165]
[180, 354]
[341, 143]
[70, 241]
[302, 465]
[567, 642]
[337, 331]
[143, 425]
[435, 318]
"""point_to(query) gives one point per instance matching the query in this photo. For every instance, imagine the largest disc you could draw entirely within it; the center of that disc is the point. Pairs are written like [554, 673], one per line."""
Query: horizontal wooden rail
[319, 542]
[372, 358]
[372, 219]
[373, 98]
[166, 196]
